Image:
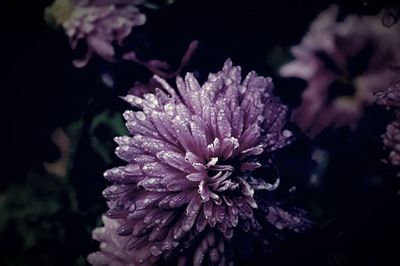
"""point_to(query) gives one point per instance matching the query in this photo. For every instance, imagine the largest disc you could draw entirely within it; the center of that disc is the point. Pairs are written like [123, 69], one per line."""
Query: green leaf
[103, 128]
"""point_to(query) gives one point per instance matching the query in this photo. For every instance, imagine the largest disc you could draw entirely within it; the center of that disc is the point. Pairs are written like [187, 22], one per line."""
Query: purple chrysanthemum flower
[344, 63]
[97, 22]
[190, 173]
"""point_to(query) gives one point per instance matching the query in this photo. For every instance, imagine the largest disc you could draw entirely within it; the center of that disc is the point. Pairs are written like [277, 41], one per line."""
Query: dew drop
[228, 82]
[242, 89]
[138, 137]
[169, 109]
[138, 101]
[287, 133]
[132, 208]
[115, 170]
[212, 78]
[140, 116]
[125, 148]
[186, 227]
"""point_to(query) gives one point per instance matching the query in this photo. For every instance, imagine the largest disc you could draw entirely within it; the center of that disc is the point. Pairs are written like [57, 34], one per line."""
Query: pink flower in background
[190, 181]
[390, 98]
[391, 140]
[344, 63]
[98, 23]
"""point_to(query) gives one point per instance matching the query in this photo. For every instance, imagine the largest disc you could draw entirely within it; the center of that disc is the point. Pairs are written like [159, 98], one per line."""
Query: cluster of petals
[189, 182]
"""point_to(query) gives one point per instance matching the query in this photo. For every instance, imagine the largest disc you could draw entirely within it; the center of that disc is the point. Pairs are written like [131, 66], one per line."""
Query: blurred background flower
[391, 139]
[344, 62]
[98, 23]
[390, 99]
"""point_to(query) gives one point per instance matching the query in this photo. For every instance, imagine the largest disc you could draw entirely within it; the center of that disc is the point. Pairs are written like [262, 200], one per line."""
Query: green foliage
[40, 218]
[103, 128]
[29, 213]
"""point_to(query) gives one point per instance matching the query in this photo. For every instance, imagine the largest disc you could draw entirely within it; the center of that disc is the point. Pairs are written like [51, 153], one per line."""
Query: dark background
[47, 220]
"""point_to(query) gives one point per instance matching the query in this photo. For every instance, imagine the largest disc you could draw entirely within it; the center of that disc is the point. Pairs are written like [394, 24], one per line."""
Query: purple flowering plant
[194, 151]
[207, 165]
[191, 158]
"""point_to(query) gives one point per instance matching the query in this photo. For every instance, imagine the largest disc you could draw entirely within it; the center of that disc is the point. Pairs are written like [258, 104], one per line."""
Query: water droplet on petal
[287, 133]
[140, 116]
